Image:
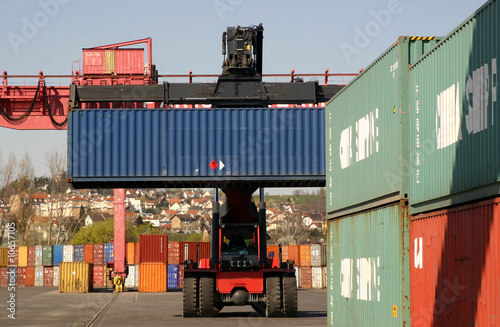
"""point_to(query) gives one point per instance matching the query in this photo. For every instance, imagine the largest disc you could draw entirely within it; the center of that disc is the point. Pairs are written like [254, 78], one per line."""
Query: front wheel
[206, 296]
[273, 297]
[190, 297]
[290, 297]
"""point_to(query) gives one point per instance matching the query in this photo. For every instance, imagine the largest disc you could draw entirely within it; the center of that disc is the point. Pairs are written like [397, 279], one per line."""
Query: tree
[8, 174]
[25, 183]
[290, 230]
[139, 220]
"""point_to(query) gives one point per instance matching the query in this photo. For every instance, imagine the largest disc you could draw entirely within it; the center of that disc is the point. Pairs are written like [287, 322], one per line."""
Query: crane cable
[21, 119]
[56, 124]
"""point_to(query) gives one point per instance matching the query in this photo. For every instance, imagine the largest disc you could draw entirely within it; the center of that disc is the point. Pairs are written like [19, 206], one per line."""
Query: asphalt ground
[47, 307]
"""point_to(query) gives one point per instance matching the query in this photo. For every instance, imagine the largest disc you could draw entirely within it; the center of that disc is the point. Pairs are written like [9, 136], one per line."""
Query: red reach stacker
[239, 272]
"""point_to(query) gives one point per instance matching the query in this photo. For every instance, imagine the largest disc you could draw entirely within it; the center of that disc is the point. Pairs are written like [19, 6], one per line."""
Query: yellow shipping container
[76, 277]
[23, 256]
[4, 257]
[153, 277]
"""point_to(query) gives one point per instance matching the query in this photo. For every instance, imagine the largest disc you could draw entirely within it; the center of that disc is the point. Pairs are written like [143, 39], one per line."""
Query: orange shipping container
[23, 256]
[284, 252]
[294, 254]
[88, 253]
[137, 253]
[153, 277]
[21, 276]
[189, 251]
[31, 256]
[130, 255]
[29, 279]
[305, 255]
[272, 251]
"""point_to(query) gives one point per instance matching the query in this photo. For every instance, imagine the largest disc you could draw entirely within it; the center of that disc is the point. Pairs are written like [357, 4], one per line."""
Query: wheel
[218, 306]
[273, 297]
[290, 297]
[190, 297]
[206, 296]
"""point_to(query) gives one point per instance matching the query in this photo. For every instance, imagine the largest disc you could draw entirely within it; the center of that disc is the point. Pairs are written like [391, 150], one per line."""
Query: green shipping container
[367, 132]
[455, 117]
[47, 255]
[368, 268]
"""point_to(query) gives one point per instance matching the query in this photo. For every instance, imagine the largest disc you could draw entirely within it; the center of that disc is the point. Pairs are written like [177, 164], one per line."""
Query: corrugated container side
[47, 254]
[38, 276]
[180, 145]
[131, 278]
[305, 277]
[317, 277]
[153, 248]
[305, 255]
[189, 251]
[173, 276]
[21, 276]
[455, 266]
[153, 277]
[31, 256]
[4, 257]
[294, 254]
[181, 276]
[99, 254]
[23, 256]
[130, 256]
[98, 274]
[284, 252]
[117, 61]
[29, 277]
[455, 126]
[324, 255]
[78, 253]
[136, 275]
[58, 254]
[4, 276]
[366, 132]
[369, 280]
[88, 253]
[68, 253]
[55, 272]
[48, 276]
[108, 253]
[14, 256]
[137, 253]
[316, 255]
[38, 255]
[272, 251]
[174, 253]
[75, 277]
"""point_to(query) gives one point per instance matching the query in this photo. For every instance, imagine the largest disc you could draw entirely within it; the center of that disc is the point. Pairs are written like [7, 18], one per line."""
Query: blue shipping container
[196, 147]
[108, 252]
[172, 276]
[58, 254]
[78, 254]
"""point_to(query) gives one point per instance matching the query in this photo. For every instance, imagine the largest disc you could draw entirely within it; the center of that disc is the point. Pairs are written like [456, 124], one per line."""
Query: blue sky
[308, 36]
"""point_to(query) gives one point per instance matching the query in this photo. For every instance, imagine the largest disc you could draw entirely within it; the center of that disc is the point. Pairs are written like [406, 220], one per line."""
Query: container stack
[31, 256]
[22, 256]
[178, 254]
[58, 254]
[55, 273]
[68, 253]
[153, 263]
[75, 277]
[38, 255]
[78, 253]
[48, 276]
[88, 253]
[108, 253]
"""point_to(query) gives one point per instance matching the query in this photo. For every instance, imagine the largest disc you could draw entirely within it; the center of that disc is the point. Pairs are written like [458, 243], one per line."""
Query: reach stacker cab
[239, 272]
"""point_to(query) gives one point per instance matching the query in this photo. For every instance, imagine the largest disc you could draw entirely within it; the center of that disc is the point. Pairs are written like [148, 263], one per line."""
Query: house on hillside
[186, 223]
[150, 204]
[96, 217]
[174, 204]
[313, 220]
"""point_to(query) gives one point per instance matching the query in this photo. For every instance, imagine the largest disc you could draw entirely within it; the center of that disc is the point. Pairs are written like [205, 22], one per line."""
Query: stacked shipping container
[153, 263]
[423, 137]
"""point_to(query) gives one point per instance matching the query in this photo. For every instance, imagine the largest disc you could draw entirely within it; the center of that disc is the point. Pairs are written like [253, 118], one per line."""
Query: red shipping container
[31, 256]
[21, 276]
[153, 248]
[88, 253]
[181, 276]
[294, 254]
[98, 276]
[117, 61]
[454, 266]
[306, 277]
[98, 254]
[174, 253]
[137, 253]
[4, 276]
[189, 251]
[48, 276]
[29, 279]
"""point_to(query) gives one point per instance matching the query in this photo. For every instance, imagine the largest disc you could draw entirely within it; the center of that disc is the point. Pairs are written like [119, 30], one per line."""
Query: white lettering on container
[448, 117]
[418, 253]
[367, 132]
[345, 148]
[346, 273]
[367, 278]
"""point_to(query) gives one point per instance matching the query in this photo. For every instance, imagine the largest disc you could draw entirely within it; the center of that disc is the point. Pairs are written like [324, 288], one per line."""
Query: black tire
[218, 306]
[190, 297]
[207, 297]
[273, 297]
[290, 301]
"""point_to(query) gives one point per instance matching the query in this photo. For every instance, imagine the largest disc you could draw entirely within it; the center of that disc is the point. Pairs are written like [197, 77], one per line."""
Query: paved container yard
[47, 307]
